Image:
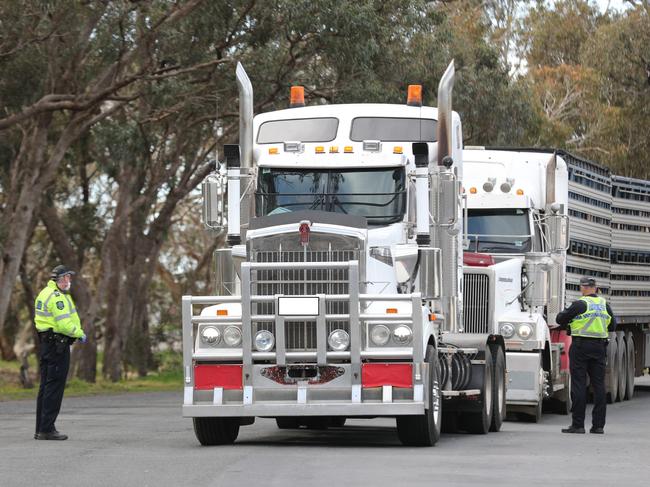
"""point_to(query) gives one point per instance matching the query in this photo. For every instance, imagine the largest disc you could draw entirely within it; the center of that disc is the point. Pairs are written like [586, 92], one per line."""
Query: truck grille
[476, 298]
[301, 335]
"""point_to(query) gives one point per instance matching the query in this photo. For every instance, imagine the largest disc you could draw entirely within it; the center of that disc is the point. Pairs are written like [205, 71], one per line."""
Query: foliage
[113, 112]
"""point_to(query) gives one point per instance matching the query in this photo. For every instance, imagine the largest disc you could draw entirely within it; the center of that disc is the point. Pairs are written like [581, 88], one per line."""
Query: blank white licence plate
[302, 306]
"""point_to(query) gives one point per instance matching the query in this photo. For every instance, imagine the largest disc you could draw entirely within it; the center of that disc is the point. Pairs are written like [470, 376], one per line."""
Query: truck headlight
[525, 331]
[339, 340]
[379, 335]
[402, 335]
[264, 341]
[210, 335]
[232, 336]
[507, 330]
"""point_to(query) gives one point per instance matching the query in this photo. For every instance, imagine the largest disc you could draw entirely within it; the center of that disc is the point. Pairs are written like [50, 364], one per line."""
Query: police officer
[58, 326]
[589, 319]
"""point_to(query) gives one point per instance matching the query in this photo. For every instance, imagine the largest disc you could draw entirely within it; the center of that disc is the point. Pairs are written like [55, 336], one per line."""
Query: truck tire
[424, 430]
[499, 390]
[631, 366]
[622, 365]
[479, 423]
[287, 422]
[337, 421]
[611, 373]
[216, 431]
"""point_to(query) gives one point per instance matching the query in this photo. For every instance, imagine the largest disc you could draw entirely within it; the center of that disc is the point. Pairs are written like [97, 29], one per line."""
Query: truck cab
[517, 211]
[339, 293]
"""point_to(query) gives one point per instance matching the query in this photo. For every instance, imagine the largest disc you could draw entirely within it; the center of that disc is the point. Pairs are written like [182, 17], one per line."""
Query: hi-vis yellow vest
[55, 310]
[592, 323]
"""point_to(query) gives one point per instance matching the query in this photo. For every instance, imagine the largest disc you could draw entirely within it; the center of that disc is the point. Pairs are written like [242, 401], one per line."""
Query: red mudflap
[383, 374]
[211, 376]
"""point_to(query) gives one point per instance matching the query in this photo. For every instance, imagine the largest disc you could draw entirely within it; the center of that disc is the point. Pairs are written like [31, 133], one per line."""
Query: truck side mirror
[558, 232]
[214, 193]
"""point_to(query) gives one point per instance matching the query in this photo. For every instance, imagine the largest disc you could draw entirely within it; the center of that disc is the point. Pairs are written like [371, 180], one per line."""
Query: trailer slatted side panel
[590, 209]
[630, 271]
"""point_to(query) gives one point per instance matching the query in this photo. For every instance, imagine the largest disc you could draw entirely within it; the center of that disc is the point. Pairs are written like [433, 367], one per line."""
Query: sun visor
[314, 216]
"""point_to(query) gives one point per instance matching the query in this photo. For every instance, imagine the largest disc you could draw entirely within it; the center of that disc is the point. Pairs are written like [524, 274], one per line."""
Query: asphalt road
[142, 440]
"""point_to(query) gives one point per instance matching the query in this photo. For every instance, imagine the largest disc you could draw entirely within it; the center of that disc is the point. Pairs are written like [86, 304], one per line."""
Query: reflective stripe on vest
[594, 321]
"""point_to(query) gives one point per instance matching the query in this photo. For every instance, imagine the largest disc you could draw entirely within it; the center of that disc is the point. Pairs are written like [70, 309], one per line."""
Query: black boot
[52, 435]
[573, 429]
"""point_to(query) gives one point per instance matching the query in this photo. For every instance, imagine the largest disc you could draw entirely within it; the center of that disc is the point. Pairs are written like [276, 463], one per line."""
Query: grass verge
[11, 389]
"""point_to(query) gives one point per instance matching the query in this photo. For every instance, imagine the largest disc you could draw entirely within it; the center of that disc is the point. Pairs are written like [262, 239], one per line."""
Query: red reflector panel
[396, 375]
[478, 260]
[211, 376]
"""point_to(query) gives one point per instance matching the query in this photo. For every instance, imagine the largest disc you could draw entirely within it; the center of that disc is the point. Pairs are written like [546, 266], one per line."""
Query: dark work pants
[55, 361]
[588, 356]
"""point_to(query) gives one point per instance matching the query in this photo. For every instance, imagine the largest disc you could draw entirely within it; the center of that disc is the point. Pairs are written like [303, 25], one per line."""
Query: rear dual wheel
[480, 422]
[631, 364]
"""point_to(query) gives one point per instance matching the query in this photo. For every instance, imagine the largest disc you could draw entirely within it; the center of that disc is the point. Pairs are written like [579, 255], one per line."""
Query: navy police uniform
[58, 326]
[589, 320]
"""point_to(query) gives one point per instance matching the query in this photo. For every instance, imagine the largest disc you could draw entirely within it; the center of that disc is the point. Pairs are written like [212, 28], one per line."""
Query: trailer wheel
[479, 423]
[612, 371]
[631, 366]
[287, 422]
[216, 431]
[424, 430]
[621, 359]
[499, 390]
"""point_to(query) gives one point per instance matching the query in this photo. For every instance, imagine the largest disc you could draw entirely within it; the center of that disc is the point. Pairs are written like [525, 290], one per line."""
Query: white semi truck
[340, 293]
[510, 195]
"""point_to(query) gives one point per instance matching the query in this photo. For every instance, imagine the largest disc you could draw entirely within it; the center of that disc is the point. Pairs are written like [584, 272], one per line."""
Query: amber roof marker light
[414, 96]
[297, 97]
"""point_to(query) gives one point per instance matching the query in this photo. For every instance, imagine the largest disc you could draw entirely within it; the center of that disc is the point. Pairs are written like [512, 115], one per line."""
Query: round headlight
[339, 340]
[507, 330]
[264, 341]
[524, 331]
[402, 335]
[379, 335]
[210, 335]
[232, 336]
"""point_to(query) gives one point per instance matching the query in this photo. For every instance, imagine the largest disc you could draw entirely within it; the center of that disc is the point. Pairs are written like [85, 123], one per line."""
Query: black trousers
[55, 361]
[588, 356]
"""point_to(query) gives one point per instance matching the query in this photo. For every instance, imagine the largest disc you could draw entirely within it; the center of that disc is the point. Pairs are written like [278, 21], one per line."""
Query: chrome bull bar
[322, 355]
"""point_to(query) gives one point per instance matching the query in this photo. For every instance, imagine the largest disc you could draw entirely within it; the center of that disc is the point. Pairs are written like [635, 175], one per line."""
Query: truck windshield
[499, 230]
[377, 194]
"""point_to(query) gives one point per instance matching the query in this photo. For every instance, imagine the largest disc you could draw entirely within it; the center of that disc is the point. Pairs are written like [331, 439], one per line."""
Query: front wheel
[424, 430]
[216, 431]
[499, 390]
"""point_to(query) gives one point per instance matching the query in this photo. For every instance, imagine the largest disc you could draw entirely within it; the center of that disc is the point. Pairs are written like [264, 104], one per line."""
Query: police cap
[60, 271]
[587, 281]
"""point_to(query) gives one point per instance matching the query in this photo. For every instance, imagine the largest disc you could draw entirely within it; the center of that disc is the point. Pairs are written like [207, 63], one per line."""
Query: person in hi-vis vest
[58, 326]
[589, 320]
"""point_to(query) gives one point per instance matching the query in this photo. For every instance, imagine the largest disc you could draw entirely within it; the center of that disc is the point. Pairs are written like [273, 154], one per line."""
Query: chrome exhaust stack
[444, 129]
[445, 207]
[245, 117]
[246, 146]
